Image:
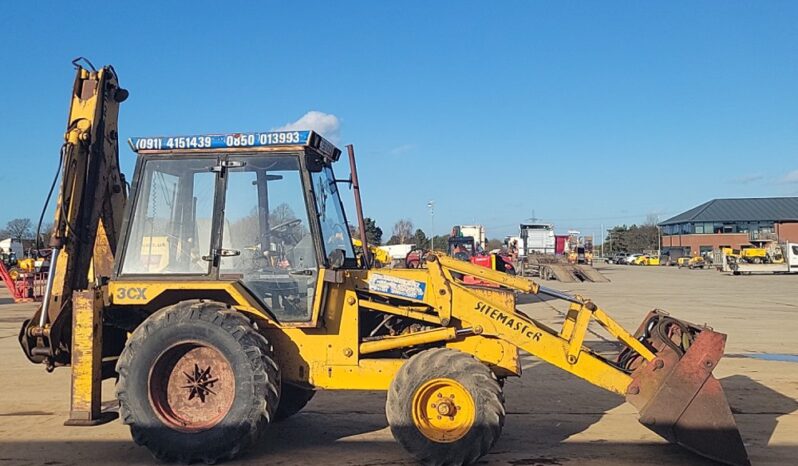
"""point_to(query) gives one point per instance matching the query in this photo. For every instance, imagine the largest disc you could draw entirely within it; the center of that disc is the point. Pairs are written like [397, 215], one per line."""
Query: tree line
[404, 232]
[631, 239]
[20, 229]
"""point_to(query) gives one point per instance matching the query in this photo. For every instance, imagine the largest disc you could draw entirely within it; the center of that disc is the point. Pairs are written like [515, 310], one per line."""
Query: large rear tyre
[292, 400]
[445, 407]
[197, 382]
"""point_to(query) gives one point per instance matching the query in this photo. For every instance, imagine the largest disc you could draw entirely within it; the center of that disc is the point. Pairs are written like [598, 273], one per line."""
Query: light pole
[602, 240]
[431, 206]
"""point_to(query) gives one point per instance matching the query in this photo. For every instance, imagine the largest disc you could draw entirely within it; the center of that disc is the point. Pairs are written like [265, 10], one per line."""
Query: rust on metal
[680, 399]
[361, 223]
[192, 387]
[85, 403]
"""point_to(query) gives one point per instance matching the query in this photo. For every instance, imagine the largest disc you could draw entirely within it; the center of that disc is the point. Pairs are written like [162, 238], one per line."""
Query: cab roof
[232, 141]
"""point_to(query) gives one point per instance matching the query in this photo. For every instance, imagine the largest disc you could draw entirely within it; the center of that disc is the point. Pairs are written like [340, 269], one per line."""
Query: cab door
[267, 236]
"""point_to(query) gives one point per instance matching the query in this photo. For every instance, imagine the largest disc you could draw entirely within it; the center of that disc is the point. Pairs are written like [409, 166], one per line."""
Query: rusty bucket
[677, 395]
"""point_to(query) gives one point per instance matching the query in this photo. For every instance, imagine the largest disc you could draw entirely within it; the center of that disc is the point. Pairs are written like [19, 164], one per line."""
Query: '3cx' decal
[131, 293]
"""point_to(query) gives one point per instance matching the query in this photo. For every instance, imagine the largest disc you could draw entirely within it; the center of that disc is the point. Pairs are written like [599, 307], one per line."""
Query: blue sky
[582, 114]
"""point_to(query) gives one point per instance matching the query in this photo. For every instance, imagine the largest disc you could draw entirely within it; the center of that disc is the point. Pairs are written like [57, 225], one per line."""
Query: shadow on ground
[756, 409]
[547, 410]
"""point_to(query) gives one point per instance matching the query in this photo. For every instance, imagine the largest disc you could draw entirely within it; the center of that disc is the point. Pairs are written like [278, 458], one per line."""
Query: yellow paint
[412, 339]
[369, 374]
[443, 410]
[86, 357]
[578, 334]
[628, 339]
[329, 353]
[570, 321]
[647, 260]
[381, 256]
[501, 356]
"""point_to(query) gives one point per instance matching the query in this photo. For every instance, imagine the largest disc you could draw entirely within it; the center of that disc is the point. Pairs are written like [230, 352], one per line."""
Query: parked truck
[10, 245]
[475, 231]
[537, 238]
[784, 260]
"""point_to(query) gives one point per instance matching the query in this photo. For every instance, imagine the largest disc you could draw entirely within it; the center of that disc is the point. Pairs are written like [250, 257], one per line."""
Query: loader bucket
[679, 398]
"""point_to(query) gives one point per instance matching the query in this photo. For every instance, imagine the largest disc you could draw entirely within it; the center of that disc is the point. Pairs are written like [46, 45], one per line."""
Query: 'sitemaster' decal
[508, 320]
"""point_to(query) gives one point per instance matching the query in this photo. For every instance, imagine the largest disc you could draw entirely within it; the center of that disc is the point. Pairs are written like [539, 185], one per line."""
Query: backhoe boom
[89, 210]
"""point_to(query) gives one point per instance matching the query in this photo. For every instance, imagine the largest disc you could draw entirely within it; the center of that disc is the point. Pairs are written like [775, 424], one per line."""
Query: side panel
[324, 357]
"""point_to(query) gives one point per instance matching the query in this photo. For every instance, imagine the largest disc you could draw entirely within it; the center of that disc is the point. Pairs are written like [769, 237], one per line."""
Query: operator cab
[461, 247]
[262, 209]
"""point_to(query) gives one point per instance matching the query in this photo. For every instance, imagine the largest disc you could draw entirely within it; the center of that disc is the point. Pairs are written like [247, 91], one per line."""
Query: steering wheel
[463, 256]
[339, 228]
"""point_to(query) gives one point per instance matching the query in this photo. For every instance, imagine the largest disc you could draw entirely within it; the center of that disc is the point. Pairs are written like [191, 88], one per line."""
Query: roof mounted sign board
[236, 140]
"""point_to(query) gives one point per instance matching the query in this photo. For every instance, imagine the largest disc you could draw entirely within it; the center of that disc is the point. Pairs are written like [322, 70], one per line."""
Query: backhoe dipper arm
[89, 211]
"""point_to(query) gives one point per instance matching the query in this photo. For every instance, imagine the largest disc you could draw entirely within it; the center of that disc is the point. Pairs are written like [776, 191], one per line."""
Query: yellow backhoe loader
[379, 257]
[257, 298]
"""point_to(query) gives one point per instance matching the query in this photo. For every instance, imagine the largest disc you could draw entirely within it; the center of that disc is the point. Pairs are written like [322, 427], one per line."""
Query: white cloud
[748, 179]
[326, 124]
[791, 177]
[403, 149]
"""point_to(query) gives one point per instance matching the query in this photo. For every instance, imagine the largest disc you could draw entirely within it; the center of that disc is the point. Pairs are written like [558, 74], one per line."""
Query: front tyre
[445, 407]
[197, 382]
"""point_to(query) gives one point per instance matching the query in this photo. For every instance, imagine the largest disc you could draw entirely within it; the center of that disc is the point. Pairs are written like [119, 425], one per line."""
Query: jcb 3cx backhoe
[226, 290]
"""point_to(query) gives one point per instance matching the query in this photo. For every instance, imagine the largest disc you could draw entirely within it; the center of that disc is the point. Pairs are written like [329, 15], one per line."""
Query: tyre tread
[259, 353]
[476, 376]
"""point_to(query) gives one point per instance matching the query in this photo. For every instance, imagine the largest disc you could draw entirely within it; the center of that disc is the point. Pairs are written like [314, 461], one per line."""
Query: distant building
[731, 223]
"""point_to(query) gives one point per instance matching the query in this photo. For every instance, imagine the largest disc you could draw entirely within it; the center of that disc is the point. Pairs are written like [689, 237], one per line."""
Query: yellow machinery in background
[754, 255]
[768, 252]
[380, 256]
[263, 300]
[646, 259]
[27, 264]
[691, 262]
[17, 267]
[731, 252]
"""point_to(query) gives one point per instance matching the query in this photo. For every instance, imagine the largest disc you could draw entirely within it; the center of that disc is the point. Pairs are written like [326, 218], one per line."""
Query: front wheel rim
[191, 386]
[443, 410]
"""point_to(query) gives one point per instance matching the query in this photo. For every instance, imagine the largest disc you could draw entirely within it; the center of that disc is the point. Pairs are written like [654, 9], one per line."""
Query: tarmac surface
[553, 418]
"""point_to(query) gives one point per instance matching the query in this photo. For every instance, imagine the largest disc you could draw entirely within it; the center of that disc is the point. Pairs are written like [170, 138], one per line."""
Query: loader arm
[88, 216]
[664, 369]
[491, 314]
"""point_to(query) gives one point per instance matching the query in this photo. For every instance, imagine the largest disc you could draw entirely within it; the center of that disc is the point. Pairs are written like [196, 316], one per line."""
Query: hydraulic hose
[49, 196]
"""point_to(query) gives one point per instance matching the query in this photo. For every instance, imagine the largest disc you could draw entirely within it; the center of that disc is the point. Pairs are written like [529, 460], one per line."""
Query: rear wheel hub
[191, 386]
